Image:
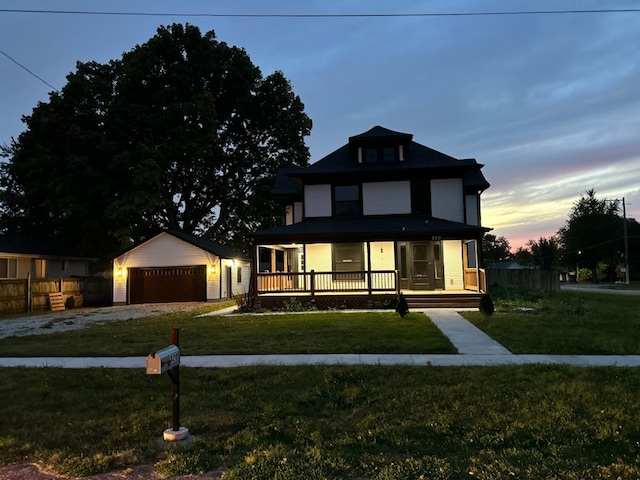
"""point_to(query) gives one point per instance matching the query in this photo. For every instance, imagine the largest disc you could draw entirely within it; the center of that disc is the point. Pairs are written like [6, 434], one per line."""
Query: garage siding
[164, 250]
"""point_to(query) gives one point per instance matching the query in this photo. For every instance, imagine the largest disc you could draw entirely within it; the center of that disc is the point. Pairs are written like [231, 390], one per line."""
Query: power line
[325, 15]
[27, 70]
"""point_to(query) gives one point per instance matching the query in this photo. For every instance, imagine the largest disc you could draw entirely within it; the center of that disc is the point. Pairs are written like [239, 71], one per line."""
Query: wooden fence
[528, 279]
[25, 295]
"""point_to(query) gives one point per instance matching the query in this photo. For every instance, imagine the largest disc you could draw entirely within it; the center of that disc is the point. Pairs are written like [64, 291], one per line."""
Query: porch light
[120, 272]
[212, 269]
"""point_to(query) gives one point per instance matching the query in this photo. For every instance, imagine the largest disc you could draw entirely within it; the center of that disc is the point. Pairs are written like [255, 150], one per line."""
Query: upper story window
[8, 268]
[346, 200]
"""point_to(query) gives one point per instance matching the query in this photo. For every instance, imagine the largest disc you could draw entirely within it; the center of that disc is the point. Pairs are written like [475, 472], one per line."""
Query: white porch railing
[316, 282]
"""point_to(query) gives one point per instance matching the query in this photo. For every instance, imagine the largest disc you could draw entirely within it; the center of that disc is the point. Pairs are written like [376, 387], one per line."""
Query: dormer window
[389, 154]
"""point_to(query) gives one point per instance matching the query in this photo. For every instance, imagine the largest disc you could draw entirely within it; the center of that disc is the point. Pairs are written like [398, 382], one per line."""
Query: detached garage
[179, 267]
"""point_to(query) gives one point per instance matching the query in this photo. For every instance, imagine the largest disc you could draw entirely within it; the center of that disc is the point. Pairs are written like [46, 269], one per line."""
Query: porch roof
[399, 227]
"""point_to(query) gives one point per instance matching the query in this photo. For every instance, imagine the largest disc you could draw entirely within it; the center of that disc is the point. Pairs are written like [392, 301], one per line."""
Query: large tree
[593, 233]
[495, 249]
[183, 132]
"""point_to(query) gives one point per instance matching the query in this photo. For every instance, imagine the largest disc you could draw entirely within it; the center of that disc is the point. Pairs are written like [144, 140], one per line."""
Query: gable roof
[207, 245]
[20, 244]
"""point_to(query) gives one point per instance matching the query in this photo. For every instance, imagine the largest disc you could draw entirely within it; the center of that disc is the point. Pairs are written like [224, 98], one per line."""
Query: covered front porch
[369, 274]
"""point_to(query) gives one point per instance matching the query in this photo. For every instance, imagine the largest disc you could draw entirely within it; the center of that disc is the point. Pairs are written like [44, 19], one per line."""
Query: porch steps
[454, 300]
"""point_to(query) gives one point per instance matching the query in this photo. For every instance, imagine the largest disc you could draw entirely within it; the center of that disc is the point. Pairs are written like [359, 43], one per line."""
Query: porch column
[369, 267]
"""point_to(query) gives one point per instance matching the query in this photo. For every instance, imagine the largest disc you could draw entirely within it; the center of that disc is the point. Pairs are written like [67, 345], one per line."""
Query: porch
[360, 289]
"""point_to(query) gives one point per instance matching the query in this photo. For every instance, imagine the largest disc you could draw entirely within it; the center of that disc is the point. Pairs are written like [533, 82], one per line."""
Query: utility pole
[626, 243]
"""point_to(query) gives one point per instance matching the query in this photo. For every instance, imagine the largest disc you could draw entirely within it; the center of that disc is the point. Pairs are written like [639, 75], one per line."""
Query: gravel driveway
[84, 317]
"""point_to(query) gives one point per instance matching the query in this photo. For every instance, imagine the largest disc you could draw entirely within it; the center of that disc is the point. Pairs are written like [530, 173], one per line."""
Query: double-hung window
[8, 268]
[346, 200]
[348, 261]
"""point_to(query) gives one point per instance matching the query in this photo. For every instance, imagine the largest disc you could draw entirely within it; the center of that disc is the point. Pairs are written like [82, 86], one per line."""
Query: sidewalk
[474, 346]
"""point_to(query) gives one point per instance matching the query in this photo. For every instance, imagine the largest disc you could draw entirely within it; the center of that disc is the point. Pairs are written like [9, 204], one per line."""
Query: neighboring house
[179, 267]
[380, 215]
[21, 256]
[509, 265]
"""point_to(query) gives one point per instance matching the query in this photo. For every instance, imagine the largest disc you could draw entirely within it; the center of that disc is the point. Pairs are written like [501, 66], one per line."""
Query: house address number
[436, 238]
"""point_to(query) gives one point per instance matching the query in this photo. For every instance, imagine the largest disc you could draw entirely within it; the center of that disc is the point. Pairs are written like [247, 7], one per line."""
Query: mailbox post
[168, 360]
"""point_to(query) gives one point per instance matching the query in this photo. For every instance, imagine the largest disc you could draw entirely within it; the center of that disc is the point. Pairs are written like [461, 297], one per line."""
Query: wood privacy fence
[25, 295]
[528, 279]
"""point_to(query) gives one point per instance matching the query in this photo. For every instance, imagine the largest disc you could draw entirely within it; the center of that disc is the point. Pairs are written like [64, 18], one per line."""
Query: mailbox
[163, 360]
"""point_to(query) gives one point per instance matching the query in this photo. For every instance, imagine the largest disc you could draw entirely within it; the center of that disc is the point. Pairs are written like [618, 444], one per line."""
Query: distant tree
[183, 132]
[545, 252]
[524, 256]
[593, 233]
[495, 249]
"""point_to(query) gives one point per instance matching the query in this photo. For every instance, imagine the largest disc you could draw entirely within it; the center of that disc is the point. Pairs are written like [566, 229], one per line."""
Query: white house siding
[382, 258]
[297, 212]
[318, 257]
[453, 272]
[288, 215]
[164, 250]
[317, 200]
[473, 217]
[386, 198]
[447, 199]
[237, 288]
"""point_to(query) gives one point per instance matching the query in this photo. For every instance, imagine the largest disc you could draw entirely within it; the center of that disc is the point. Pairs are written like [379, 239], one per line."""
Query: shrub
[402, 308]
[486, 305]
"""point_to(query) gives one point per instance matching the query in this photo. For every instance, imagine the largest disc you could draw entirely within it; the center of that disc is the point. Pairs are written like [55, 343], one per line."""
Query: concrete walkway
[474, 346]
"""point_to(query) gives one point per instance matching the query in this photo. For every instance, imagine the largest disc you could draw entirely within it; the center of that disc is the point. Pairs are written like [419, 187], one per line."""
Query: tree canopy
[593, 233]
[183, 132]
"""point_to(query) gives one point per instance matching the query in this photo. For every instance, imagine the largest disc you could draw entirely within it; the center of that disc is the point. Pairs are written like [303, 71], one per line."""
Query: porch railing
[314, 282]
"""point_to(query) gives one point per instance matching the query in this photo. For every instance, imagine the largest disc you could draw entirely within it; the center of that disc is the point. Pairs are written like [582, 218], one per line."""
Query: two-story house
[380, 215]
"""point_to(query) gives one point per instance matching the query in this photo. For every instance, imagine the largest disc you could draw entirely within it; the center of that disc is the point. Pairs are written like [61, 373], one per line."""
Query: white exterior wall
[237, 288]
[473, 216]
[382, 256]
[386, 198]
[453, 271]
[288, 215]
[318, 257]
[317, 200]
[447, 199]
[165, 250]
[297, 212]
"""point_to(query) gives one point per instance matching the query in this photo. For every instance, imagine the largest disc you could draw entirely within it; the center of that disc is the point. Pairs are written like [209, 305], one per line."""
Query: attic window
[388, 154]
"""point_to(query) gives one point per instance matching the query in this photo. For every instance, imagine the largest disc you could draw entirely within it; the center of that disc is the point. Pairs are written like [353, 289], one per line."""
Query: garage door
[168, 284]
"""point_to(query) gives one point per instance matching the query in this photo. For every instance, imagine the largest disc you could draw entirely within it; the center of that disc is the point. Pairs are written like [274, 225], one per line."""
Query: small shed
[179, 267]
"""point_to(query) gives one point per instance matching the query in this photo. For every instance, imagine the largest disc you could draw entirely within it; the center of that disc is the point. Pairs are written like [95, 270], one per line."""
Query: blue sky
[550, 104]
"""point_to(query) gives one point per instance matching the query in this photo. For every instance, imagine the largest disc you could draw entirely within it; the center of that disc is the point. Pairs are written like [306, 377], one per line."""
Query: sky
[548, 103]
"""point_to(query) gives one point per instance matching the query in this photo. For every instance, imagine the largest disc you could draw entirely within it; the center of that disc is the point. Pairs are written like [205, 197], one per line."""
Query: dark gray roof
[371, 228]
[207, 245]
[20, 244]
[418, 159]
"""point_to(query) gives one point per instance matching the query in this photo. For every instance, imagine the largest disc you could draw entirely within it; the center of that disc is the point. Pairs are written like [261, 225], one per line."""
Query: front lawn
[563, 323]
[317, 332]
[321, 422]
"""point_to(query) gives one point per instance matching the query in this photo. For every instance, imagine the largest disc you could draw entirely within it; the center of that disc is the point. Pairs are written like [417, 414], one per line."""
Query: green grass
[563, 323]
[320, 422]
[332, 332]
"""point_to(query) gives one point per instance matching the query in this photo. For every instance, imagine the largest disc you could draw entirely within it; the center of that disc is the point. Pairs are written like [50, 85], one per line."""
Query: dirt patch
[85, 317]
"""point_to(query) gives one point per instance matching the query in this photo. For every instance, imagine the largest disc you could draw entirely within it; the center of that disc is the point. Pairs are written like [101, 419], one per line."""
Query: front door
[422, 266]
